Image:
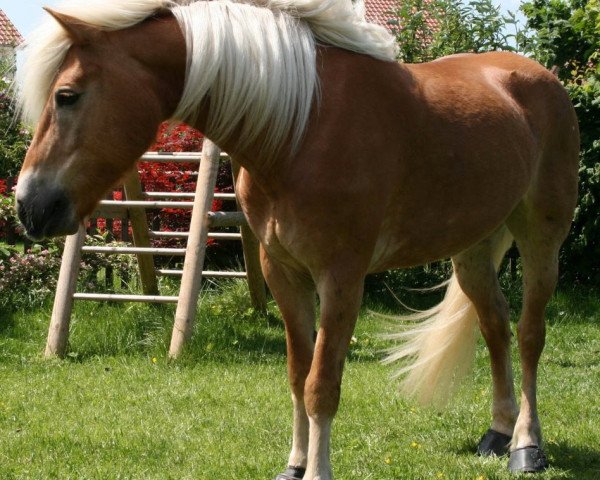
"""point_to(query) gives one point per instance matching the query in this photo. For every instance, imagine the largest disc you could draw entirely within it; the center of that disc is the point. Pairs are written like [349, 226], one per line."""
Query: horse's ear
[80, 32]
[163, 12]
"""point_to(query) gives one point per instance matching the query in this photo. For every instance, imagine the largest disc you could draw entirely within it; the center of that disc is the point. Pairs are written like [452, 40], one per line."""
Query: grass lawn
[116, 409]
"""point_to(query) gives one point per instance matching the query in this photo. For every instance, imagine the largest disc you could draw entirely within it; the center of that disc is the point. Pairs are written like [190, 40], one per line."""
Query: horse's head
[102, 112]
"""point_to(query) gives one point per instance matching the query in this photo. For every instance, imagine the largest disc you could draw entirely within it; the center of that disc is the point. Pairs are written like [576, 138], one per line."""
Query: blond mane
[255, 59]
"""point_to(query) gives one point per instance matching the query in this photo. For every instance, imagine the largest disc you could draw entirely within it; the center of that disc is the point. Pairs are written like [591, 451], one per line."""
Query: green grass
[116, 409]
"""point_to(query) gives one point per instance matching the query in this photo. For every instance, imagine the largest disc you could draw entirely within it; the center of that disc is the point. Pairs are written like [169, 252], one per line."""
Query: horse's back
[488, 130]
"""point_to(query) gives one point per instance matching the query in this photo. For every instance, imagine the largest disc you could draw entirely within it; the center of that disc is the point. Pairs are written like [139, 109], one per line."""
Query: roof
[9, 35]
[381, 12]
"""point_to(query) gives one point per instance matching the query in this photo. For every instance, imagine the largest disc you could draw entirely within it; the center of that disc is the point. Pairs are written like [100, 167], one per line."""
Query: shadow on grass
[466, 447]
[574, 306]
[580, 463]
[227, 329]
[573, 462]
[246, 337]
[7, 322]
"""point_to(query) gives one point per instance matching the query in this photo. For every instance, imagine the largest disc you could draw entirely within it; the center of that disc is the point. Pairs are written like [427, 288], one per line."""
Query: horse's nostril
[56, 207]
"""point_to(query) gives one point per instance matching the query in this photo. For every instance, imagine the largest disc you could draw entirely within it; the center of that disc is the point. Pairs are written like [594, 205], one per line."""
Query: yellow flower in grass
[154, 359]
[415, 445]
[480, 477]
[440, 475]
[388, 460]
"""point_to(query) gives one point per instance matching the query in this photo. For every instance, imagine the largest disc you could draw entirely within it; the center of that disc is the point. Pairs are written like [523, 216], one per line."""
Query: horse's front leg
[340, 296]
[294, 293]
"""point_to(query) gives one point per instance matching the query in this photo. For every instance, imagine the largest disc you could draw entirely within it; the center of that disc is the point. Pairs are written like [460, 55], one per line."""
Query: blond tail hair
[438, 351]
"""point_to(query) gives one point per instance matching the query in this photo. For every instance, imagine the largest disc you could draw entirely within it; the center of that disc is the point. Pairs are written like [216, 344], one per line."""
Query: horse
[352, 163]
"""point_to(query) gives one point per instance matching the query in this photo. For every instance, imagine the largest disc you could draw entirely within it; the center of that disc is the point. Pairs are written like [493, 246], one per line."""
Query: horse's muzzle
[45, 211]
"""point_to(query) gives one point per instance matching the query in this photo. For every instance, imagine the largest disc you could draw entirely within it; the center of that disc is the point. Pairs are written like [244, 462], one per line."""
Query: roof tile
[9, 35]
[382, 13]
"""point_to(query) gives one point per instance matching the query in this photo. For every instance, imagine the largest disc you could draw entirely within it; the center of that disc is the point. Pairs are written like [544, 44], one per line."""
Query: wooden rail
[114, 297]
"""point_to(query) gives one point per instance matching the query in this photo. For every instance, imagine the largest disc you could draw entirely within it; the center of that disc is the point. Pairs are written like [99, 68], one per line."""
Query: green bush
[429, 29]
[27, 280]
[15, 138]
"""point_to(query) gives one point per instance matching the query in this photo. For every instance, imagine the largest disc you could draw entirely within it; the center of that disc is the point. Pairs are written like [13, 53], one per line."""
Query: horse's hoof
[292, 473]
[527, 460]
[493, 443]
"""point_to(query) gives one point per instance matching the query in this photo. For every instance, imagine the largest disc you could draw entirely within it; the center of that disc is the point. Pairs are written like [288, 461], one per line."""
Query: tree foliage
[429, 29]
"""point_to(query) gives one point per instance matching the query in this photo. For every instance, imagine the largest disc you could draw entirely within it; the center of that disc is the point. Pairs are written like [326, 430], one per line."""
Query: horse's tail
[439, 350]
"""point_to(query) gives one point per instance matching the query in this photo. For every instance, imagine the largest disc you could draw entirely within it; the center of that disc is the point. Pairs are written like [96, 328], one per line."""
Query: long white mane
[254, 60]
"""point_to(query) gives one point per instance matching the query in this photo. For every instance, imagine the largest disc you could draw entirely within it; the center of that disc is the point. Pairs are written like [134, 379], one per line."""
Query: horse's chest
[266, 220]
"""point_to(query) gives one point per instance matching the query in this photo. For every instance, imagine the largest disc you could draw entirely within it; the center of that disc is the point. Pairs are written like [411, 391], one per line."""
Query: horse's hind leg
[295, 297]
[539, 226]
[476, 271]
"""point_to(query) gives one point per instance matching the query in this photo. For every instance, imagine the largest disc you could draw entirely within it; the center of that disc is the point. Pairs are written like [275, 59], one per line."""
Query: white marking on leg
[299, 454]
[528, 430]
[319, 467]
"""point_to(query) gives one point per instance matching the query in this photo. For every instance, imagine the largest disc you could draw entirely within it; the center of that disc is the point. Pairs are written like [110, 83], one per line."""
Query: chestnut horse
[352, 163]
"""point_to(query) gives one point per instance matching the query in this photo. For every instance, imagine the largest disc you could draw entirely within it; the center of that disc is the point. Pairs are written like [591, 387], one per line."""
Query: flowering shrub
[8, 215]
[179, 177]
[14, 138]
[91, 263]
[27, 280]
[177, 138]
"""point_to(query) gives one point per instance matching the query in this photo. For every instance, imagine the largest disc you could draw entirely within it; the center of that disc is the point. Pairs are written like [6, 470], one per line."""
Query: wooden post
[58, 333]
[110, 236]
[141, 236]
[124, 274]
[251, 247]
[196, 249]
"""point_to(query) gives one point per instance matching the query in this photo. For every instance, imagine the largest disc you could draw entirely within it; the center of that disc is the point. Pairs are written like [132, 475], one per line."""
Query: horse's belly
[410, 250]
[431, 229]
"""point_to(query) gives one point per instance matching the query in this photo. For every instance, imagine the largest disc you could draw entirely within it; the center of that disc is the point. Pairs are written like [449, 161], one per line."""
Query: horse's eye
[66, 98]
